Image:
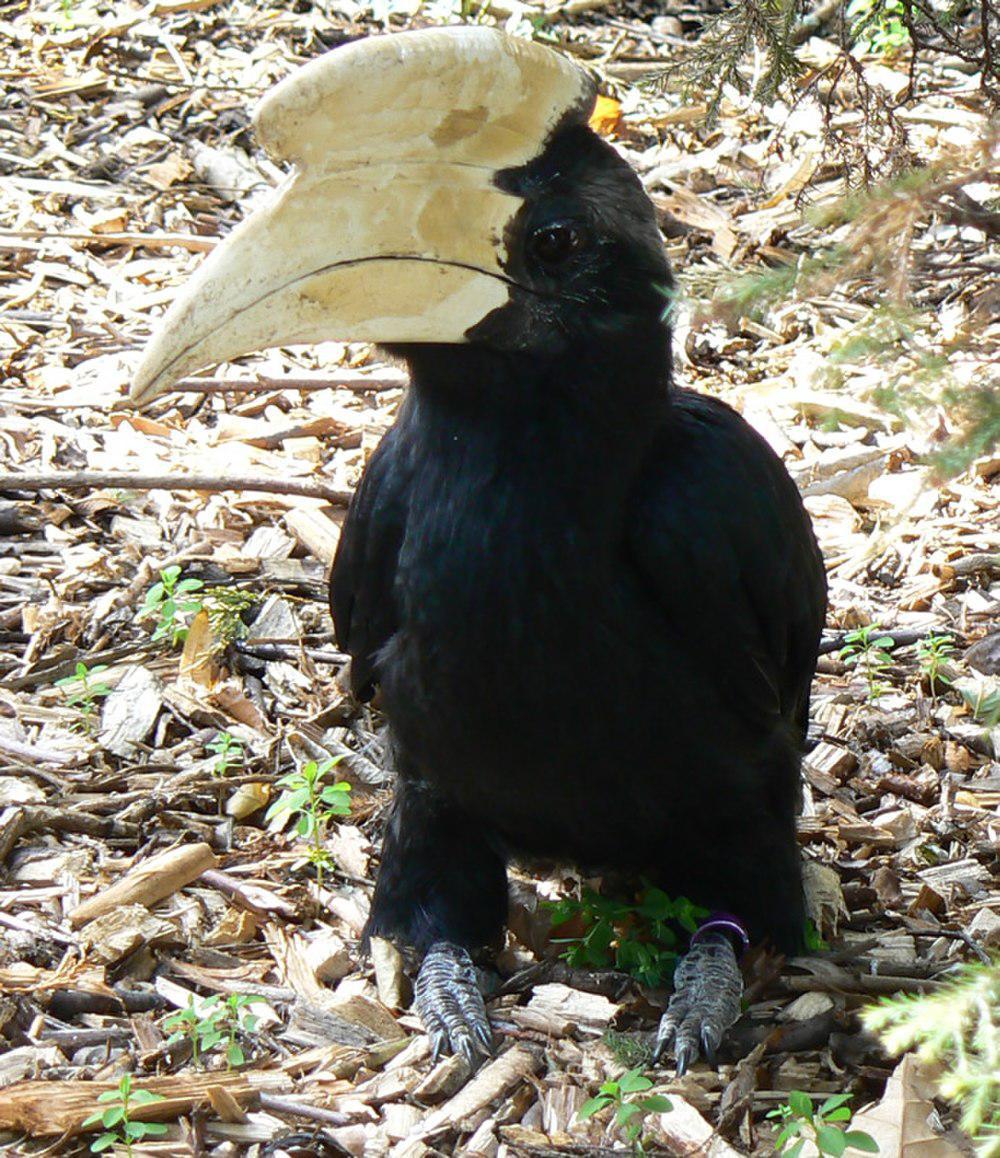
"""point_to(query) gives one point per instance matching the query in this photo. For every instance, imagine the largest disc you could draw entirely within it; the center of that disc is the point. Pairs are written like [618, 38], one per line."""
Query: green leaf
[843, 1114]
[103, 1143]
[625, 1111]
[657, 1104]
[145, 1129]
[633, 1081]
[296, 798]
[234, 1054]
[792, 1130]
[801, 1104]
[795, 1149]
[109, 1096]
[93, 1120]
[859, 1140]
[145, 1097]
[834, 1102]
[593, 1106]
[830, 1140]
[112, 1116]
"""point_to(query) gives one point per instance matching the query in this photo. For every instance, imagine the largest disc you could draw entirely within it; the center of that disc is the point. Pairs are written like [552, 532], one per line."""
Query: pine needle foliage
[753, 47]
[957, 1027]
[968, 29]
[730, 38]
[882, 257]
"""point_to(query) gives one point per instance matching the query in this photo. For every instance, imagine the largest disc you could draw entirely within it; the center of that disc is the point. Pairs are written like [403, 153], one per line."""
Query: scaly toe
[448, 1002]
[706, 1002]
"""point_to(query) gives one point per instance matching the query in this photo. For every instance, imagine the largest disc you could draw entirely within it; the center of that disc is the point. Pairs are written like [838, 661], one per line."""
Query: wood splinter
[150, 881]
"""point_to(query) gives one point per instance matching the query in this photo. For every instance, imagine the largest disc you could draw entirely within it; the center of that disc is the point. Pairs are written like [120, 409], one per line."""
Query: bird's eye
[553, 245]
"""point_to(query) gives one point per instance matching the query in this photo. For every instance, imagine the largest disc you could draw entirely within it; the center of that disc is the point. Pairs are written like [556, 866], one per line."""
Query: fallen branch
[359, 383]
[95, 480]
[302, 1110]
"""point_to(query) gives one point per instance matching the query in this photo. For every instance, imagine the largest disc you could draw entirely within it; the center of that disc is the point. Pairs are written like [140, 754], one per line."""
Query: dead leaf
[163, 174]
[899, 1122]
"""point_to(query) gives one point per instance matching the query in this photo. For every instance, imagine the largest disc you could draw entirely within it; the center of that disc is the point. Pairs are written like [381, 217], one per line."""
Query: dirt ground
[138, 869]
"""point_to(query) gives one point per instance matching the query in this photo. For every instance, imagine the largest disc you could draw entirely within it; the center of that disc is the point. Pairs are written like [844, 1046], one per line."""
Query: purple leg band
[724, 923]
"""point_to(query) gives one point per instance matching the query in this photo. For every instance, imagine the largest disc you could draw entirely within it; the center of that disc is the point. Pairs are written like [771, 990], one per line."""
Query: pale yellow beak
[390, 228]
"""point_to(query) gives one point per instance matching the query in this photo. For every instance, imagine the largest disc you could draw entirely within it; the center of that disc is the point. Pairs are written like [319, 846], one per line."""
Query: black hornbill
[591, 601]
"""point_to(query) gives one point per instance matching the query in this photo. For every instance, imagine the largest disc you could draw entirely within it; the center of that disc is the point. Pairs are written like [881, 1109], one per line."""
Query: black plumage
[591, 601]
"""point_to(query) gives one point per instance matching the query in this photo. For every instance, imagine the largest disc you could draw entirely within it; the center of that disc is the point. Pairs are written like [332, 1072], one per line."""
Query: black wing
[364, 570]
[722, 541]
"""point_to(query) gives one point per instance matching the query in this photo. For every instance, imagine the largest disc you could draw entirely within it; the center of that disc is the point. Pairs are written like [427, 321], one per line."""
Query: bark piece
[394, 990]
[114, 935]
[129, 712]
[150, 881]
[492, 1082]
[58, 1107]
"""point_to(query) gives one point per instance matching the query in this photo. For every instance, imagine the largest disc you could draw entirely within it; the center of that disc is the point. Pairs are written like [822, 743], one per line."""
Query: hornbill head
[446, 189]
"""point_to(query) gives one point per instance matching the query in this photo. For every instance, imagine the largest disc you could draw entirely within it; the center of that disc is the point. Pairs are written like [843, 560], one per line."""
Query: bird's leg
[442, 888]
[707, 991]
[448, 1001]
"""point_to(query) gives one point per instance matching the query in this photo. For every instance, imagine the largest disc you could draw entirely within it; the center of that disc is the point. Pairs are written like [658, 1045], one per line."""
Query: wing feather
[723, 542]
[364, 570]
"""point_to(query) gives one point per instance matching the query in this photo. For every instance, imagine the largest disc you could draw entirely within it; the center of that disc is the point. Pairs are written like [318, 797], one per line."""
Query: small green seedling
[867, 651]
[170, 600]
[933, 654]
[228, 751]
[238, 1021]
[119, 1128]
[877, 26]
[83, 693]
[206, 1024]
[638, 938]
[196, 1025]
[630, 1111]
[306, 796]
[800, 1123]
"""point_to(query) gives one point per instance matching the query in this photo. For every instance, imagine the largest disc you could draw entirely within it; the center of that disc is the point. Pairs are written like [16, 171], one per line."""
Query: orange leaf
[606, 116]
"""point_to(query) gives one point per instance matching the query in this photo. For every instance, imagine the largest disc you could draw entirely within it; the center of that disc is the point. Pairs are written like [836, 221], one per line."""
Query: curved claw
[449, 1003]
[706, 1002]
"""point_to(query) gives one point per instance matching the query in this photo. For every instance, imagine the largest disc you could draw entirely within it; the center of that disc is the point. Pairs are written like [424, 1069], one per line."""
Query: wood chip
[150, 881]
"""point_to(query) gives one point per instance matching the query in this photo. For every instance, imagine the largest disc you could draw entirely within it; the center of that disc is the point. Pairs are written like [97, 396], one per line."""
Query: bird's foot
[706, 1001]
[447, 999]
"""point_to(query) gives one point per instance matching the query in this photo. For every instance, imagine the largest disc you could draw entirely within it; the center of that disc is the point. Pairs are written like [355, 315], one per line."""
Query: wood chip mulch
[138, 873]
